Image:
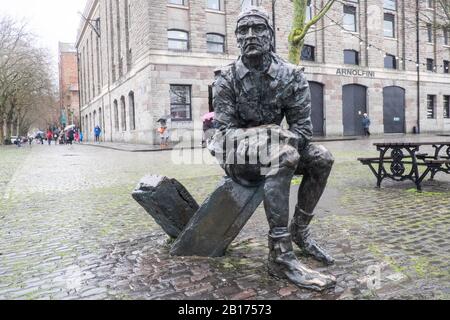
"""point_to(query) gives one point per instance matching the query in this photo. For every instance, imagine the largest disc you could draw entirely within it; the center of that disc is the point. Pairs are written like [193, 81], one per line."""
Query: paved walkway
[132, 147]
[69, 229]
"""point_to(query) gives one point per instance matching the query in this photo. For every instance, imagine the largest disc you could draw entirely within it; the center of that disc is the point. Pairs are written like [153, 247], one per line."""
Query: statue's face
[253, 36]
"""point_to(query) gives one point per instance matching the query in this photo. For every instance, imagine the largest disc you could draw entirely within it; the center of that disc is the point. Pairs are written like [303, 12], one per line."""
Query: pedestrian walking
[49, 136]
[81, 136]
[97, 133]
[70, 136]
[366, 125]
[164, 134]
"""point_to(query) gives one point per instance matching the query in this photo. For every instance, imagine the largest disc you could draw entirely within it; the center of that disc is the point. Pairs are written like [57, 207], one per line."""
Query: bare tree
[25, 79]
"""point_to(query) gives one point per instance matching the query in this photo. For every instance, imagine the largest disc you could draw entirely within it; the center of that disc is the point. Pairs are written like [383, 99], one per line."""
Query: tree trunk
[296, 38]
[2, 131]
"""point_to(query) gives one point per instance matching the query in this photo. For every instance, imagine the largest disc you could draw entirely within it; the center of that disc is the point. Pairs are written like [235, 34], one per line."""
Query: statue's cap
[255, 12]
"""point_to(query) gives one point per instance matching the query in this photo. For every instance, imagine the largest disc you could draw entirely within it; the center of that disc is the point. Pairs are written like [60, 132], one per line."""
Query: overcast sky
[50, 20]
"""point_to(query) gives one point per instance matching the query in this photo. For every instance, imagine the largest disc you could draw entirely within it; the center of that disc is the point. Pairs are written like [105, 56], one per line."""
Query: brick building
[141, 60]
[68, 84]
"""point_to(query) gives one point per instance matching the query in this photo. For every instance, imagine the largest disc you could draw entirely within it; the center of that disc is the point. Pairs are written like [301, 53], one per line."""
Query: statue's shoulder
[224, 71]
[291, 70]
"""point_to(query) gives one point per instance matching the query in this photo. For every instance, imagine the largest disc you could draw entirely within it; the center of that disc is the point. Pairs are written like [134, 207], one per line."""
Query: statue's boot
[301, 235]
[283, 264]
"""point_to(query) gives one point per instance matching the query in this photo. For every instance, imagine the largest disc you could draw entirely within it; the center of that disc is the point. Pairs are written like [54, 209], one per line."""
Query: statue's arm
[298, 109]
[225, 118]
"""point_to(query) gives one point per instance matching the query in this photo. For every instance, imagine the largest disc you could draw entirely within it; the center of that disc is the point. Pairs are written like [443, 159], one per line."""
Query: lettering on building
[355, 73]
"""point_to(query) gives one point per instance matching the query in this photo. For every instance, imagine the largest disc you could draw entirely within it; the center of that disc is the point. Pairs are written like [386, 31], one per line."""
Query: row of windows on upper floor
[390, 61]
[350, 24]
[217, 5]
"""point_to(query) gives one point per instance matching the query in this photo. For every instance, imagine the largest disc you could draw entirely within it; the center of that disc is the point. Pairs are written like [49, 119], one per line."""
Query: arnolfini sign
[355, 73]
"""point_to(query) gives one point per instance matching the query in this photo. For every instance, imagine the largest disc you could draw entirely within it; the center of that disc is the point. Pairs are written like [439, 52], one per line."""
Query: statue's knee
[290, 158]
[323, 159]
[328, 159]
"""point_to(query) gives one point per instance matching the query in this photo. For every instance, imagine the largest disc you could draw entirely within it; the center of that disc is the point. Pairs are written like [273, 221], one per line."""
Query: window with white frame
[349, 18]
[351, 57]
[178, 2]
[446, 32]
[430, 32]
[431, 102]
[214, 5]
[389, 25]
[215, 43]
[390, 4]
[180, 102]
[390, 61]
[178, 40]
[447, 107]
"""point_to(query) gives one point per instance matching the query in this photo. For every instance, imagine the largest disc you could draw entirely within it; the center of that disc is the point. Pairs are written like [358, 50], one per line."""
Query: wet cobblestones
[69, 229]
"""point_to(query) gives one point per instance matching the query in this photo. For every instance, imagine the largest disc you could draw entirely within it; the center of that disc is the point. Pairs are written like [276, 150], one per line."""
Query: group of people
[59, 136]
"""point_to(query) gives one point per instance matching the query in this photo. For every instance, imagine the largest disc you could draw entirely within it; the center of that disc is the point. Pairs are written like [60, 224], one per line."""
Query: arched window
[116, 116]
[215, 43]
[95, 119]
[124, 113]
[178, 40]
[132, 111]
[90, 122]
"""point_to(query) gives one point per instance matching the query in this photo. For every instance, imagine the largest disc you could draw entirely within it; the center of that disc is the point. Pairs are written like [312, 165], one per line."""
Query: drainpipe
[418, 65]
[80, 119]
[274, 26]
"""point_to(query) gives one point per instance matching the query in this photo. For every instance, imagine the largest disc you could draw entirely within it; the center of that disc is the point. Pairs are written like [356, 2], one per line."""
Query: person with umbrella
[163, 132]
[208, 127]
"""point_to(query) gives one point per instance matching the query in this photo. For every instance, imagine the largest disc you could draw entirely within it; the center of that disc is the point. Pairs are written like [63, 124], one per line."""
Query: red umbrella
[208, 116]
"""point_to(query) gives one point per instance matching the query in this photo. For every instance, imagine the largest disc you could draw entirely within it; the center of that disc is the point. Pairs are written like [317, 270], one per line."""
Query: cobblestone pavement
[69, 229]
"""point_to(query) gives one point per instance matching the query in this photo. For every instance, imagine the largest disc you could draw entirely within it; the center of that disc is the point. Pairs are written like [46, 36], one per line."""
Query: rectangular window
[349, 18]
[178, 40]
[351, 57]
[179, 2]
[390, 4]
[214, 5]
[215, 43]
[248, 3]
[180, 102]
[446, 66]
[308, 11]
[308, 53]
[430, 65]
[445, 30]
[390, 62]
[447, 107]
[389, 25]
[430, 32]
[431, 100]
[430, 4]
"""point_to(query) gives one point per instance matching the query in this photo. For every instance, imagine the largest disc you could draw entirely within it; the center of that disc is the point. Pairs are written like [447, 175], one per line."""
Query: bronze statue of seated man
[252, 96]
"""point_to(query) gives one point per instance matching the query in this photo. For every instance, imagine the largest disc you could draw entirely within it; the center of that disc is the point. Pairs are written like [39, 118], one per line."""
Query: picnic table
[400, 161]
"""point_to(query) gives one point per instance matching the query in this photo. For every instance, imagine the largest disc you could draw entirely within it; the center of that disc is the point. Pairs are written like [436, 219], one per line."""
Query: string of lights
[383, 52]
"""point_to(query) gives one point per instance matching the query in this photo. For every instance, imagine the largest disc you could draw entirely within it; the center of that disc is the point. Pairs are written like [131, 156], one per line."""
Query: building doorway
[394, 109]
[354, 97]
[317, 112]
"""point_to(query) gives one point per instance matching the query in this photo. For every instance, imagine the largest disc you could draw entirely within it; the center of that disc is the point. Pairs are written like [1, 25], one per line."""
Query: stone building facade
[141, 60]
[69, 102]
